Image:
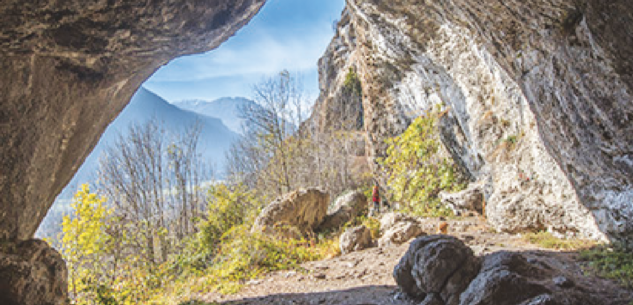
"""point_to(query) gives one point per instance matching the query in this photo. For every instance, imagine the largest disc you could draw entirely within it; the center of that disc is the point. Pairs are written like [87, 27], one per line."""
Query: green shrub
[244, 255]
[417, 170]
[228, 208]
[352, 83]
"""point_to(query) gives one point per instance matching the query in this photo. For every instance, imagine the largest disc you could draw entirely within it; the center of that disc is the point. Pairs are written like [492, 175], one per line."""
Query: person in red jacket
[375, 197]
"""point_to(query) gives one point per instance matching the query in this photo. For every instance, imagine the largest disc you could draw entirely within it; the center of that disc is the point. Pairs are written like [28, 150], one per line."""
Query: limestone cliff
[67, 68]
[538, 95]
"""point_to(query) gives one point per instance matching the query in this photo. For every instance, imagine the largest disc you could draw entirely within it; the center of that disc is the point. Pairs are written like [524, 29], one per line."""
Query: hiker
[375, 197]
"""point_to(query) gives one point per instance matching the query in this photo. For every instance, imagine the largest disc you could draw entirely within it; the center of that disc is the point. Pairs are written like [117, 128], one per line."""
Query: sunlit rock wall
[538, 95]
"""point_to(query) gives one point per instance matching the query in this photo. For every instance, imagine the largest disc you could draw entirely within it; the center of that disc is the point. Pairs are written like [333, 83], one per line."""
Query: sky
[285, 34]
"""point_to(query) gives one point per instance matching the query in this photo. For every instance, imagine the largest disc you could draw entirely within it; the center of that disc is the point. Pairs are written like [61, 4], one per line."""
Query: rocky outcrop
[32, 273]
[442, 270]
[68, 68]
[303, 209]
[537, 98]
[355, 239]
[345, 208]
[468, 201]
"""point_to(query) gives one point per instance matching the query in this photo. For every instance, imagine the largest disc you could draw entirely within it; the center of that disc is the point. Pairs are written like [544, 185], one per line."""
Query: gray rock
[511, 278]
[505, 278]
[563, 282]
[345, 208]
[32, 273]
[432, 299]
[436, 264]
[390, 219]
[303, 209]
[467, 201]
[400, 233]
[355, 239]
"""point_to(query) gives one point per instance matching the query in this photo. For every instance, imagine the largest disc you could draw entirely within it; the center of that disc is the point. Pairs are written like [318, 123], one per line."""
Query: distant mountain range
[226, 109]
[215, 137]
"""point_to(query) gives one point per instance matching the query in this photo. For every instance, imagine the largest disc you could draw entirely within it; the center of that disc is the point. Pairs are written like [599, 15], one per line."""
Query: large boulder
[32, 273]
[303, 209]
[515, 279]
[465, 202]
[355, 239]
[437, 264]
[397, 228]
[400, 233]
[442, 270]
[345, 208]
[390, 219]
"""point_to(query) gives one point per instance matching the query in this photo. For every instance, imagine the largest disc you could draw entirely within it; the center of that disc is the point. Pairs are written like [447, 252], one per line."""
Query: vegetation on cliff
[417, 170]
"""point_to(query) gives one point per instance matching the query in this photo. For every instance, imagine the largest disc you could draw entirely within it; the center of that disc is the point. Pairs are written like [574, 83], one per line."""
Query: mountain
[226, 109]
[215, 139]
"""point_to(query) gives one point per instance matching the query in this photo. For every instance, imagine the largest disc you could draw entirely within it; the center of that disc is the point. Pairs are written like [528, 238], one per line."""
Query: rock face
[442, 270]
[32, 273]
[303, 209]
[355, 239]
[467, 201]
[537, 94]
[68, 68]
[345, 208]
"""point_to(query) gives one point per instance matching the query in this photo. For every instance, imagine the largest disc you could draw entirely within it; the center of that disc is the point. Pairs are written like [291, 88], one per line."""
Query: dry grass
[549, 241]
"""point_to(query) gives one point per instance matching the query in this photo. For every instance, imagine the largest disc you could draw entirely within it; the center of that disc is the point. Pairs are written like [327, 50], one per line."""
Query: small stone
[319, 276]
[355, 239]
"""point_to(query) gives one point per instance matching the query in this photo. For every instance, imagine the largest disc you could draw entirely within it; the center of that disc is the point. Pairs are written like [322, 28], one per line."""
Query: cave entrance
[149, 146]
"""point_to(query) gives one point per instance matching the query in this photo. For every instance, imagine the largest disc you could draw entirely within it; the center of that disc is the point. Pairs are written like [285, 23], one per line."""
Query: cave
[69, 67]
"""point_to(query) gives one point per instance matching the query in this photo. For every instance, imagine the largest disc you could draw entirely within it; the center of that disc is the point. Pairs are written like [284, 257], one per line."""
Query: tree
[85, 245]
[280, 152]
[154, 178]
[269, 124]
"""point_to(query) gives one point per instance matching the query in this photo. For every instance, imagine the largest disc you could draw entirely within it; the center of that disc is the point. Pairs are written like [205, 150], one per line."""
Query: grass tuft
[549, 241]
[612, 262]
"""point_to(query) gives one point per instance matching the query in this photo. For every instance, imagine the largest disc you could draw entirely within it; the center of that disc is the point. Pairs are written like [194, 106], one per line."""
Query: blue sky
[286, 34]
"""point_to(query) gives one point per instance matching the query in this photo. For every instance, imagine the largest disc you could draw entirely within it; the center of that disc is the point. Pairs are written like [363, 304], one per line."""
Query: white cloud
[263, 54]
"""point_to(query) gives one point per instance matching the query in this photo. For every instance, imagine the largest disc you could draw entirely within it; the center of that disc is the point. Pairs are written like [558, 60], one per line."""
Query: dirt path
[365, 277]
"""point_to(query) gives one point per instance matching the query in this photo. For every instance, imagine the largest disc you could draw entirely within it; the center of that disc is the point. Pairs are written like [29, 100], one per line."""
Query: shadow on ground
[367, 295]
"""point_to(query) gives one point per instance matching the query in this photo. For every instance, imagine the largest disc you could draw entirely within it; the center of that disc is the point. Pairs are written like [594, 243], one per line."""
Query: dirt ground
[365, 277]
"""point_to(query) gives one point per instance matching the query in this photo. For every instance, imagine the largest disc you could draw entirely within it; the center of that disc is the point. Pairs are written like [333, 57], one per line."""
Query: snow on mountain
[226, 109]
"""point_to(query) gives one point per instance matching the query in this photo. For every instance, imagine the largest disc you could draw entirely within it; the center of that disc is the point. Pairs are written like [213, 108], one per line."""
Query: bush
[227, 208]
[244, 255]
[418, 171]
